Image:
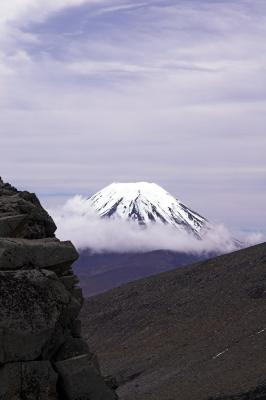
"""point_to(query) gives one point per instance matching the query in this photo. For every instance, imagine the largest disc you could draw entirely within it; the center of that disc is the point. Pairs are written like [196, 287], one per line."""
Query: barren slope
[197, 332]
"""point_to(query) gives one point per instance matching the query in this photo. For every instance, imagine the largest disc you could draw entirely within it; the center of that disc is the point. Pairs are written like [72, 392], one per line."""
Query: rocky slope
[194, 333]
[42, 353]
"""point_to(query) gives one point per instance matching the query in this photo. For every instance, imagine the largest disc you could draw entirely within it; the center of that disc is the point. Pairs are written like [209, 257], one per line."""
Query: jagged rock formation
[42, 354]
[21, 215]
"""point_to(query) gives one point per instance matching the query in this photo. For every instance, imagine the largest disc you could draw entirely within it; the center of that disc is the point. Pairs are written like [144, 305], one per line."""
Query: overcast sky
[172, 92]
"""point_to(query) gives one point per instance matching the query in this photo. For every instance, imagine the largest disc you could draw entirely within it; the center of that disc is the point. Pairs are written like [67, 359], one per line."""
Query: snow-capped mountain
[145, 203]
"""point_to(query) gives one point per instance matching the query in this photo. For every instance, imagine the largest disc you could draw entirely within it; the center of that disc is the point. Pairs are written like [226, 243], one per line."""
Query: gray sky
[167, 91]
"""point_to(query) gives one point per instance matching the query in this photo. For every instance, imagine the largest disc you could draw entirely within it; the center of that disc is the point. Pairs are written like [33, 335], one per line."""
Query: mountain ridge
[146, 203]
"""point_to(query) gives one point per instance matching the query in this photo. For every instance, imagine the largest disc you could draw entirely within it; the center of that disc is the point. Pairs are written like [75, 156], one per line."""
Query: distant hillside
[99, 272]
[194, 333]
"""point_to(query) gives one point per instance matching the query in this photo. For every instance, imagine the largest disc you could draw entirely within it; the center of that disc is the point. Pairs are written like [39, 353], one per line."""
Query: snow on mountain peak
[145, 203]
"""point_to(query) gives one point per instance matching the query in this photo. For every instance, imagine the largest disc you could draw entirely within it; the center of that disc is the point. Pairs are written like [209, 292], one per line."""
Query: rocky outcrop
[42, 354]
[21, 215]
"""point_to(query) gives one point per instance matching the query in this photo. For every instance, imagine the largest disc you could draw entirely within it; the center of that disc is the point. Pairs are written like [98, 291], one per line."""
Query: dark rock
[48, 254]
[77, 293]
[257, 292]
[258, 393]
[39, 307]
[37, 224]
[71, 312]
[69, 281]
[10, 379]
[38, 381]
[72, 347]
[6, 188]
[10, 225]
[111, 382]
[75, 328]
[79, 380]
[31, 380]
[56, 340]
[31, 306]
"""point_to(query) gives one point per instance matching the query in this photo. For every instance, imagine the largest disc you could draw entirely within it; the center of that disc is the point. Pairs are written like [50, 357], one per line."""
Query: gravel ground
[194, 333]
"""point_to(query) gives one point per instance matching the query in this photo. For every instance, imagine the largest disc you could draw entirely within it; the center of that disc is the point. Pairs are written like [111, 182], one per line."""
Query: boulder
[11, 224]
[38, 381]
[75, 328]
[72, 347]
[48, 254]
[69, 281]
[77, 293]
[79, 380]
[32, 380]
[10, 378]
[31, 305]
[71, 312]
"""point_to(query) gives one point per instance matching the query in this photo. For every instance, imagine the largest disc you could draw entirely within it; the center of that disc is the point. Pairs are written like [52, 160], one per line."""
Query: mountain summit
[145, 203]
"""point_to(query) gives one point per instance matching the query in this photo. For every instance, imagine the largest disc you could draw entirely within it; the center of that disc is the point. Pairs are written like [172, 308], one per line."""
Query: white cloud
[120, 7]
[97, 67]
[21, 11]
[76, 222]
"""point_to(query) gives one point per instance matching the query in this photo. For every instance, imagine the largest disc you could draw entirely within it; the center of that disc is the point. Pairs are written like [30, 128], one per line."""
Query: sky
[172, 92]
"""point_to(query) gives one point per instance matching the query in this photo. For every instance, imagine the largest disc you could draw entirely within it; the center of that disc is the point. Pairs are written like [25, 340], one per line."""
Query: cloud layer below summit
[87, 230]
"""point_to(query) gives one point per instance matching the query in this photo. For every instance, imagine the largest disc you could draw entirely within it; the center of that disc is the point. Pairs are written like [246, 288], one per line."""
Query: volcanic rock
[42, 354]
[29, 219]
